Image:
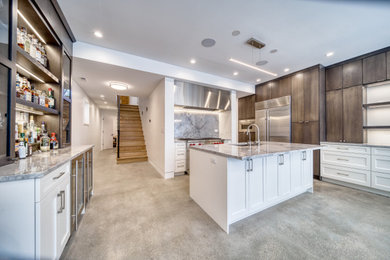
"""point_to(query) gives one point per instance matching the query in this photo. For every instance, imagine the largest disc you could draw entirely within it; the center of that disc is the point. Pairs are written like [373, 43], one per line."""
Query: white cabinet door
[46, 234]
[380, 181]
[284, 174]
[307, 168]
[271, 178]
[296, 171]
[255, 185]
[237, 188]
[63, 216]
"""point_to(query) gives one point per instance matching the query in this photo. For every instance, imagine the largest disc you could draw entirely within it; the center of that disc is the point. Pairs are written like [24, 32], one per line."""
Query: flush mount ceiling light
[119, 85]
[261, 62]
[252, 67]
[30, 73]
[273, 51]
[329, 54]
[286, 70]
[208, 42]
[98, 34]
[192, 61]
[32, 27]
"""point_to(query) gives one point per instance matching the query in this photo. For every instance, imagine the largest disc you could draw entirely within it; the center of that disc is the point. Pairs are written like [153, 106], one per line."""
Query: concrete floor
[135, 214]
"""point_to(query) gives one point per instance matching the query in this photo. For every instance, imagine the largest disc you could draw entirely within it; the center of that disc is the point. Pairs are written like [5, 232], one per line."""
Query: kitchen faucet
[249, 133]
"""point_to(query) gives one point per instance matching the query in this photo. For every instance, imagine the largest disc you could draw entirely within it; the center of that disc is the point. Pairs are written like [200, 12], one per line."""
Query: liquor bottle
[27, 43]
[45, 140]
[42, 98]
[53, 141]
[33, 46]
[22, 150]
[51, 99]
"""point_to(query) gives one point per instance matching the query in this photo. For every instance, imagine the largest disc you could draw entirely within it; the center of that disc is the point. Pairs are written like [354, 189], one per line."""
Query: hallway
[135, 214]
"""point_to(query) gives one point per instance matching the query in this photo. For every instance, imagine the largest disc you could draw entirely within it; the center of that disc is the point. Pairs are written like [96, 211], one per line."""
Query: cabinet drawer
[180, 166]
[381, 164]
[360, 177]
[380, 181]
[381, 151]
[359, 161]
[347, 148]
[180, 154]
[181, 145]
[51, 180]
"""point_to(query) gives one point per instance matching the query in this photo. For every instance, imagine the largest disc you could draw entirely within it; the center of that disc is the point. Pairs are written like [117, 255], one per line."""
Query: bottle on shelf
[45, 140]
[53, 141]
[27, 43]
[51, 99]
[22, 150]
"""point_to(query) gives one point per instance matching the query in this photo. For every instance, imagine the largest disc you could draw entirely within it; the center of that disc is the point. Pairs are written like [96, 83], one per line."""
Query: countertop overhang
[246, 152]
[40, 163]
[357, 144]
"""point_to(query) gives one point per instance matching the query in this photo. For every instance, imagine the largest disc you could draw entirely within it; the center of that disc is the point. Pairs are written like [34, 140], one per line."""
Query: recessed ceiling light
[208, 42]
[273, 51]
[329, 54]
[193, 61]
[105, 102]
[258, 80]
[98, 34]
[119, 85]
[286, 70]
[236, 33]
[102, 96]
[235, 73]
[261, 62]
[252, 67]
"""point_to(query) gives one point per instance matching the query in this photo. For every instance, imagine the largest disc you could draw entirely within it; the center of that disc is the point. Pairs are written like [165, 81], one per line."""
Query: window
[86, 112]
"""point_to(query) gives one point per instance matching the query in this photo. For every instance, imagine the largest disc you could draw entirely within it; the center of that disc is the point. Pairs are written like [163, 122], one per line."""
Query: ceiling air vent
[255, 43]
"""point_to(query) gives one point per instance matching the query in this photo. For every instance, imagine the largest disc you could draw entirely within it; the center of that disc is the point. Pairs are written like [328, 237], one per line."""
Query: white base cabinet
[359, 165]
[230, 190]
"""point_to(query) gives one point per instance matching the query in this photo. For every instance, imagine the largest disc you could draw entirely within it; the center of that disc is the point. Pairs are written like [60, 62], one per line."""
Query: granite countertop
[40, 164]
[245, 152]
[357, 144]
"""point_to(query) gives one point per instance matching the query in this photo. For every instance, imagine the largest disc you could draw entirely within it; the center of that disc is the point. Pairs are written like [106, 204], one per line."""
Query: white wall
[110, 126]
[157, 117]
[84, 134]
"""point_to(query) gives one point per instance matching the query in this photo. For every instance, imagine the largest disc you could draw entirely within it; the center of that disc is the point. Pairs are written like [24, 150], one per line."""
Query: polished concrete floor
[135, 214]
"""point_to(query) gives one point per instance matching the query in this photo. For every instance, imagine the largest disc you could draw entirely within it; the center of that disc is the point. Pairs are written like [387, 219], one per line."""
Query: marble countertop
[40, 164]
[357, 144]
[246, 152]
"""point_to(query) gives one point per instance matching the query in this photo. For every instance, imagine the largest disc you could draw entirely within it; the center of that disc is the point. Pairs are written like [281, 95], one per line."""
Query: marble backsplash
[195, 125]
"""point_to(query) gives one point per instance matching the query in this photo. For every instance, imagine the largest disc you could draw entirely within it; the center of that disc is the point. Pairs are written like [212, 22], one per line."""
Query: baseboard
[357, 187]
[161, 172]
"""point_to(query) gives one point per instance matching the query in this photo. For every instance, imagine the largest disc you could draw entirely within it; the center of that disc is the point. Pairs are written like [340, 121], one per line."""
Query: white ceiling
[98, 75]
[303, 31]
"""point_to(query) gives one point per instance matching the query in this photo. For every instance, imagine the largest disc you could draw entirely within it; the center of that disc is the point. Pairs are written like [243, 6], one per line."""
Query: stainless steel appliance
[77, 193]
[274, 119]
[243, 125]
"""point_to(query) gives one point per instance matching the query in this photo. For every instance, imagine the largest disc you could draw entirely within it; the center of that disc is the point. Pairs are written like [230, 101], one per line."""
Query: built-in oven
[243, 125]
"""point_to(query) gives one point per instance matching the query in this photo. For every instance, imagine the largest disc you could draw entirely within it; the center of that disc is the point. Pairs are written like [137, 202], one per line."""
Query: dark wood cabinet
[311, 132]
[374, 68]
[297, 133]
[334, 78]
[352, 74]
[281, 88]
[246, 107]
[311, 95]
[334, 116]
[388, 64]
[297, 99]
[353, 114]
[263, 92]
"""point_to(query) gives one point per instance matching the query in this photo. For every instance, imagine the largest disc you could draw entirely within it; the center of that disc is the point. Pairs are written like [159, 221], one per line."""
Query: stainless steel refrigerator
[274, 119]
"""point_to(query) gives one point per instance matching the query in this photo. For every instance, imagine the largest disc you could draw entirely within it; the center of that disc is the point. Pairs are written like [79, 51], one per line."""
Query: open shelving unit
[23, 105]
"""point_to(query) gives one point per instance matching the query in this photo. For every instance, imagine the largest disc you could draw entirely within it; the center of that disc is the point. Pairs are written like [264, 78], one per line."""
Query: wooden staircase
[131, 137]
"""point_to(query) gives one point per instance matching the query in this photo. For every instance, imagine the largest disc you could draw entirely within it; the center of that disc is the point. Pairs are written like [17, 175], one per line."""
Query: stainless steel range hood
[189, 95]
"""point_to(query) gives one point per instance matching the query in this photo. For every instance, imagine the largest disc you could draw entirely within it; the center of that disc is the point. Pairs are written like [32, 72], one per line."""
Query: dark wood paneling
[352, 74]
[316, 163]
[334, 116]
[374, 68]
[246, 107]
[334, 78]
[388, 64]
[353, 114]
[322, 104]
[297, 133]
[263, 92]
[311, 132]
[311, 95]
[281, 88]
[297, 98]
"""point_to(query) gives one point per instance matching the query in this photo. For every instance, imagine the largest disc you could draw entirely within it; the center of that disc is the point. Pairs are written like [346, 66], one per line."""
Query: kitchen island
[233, 181]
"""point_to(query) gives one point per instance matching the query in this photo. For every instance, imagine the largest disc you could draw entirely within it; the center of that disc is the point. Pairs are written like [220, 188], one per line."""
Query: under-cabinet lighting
[227, 104]
[26, 110]
[30, 73]
[252, 67]
[32, 27]
[195, 111]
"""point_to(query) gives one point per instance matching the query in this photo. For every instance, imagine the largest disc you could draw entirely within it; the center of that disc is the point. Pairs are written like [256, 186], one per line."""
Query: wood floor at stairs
[131, 141]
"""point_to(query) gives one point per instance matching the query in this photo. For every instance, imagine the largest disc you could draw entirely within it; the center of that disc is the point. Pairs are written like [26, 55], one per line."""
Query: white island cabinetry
[231, 189]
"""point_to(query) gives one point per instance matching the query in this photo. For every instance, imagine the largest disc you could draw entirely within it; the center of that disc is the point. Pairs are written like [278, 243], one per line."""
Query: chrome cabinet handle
[301, 122]
[63, 198]
[60, 210]
[249, 165]
[343, 174]
[342, 148]
[304, 156]
[306, 122]
[281, 159]
[180, 154]
[341, 159]
[59, 176]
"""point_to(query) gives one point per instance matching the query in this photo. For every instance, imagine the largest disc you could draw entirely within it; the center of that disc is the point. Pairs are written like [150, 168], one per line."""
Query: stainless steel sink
[244, 144]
